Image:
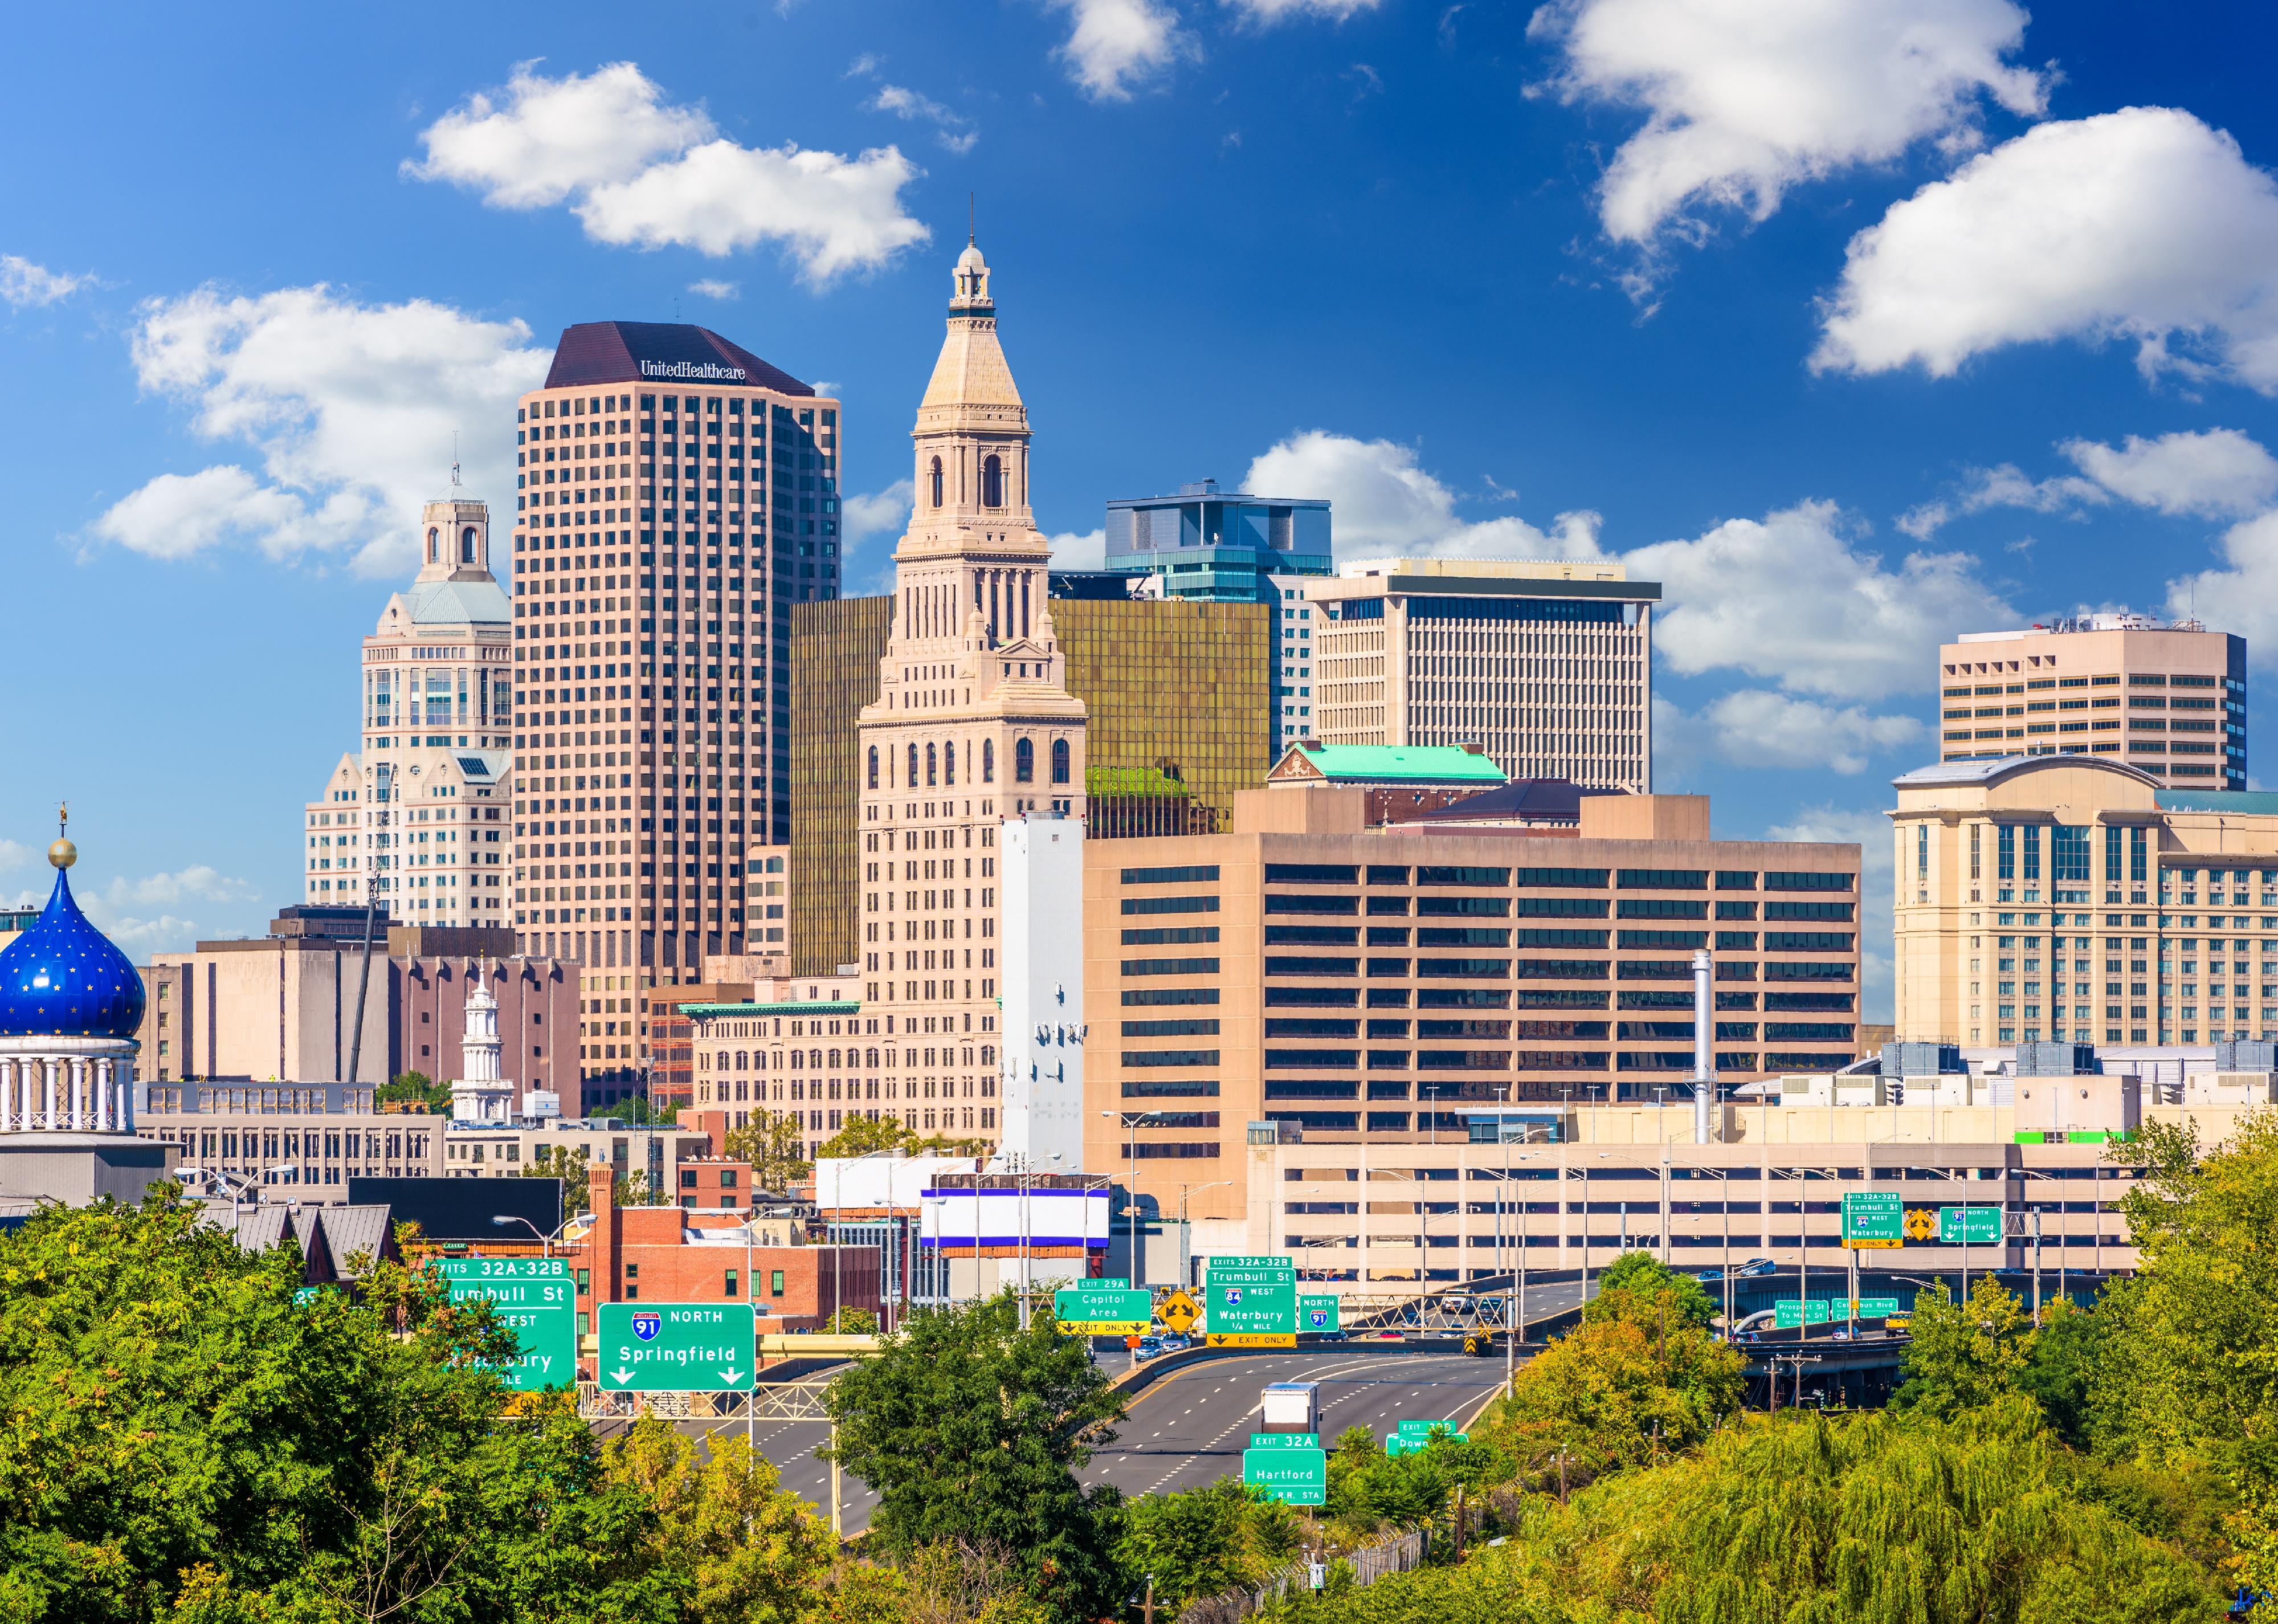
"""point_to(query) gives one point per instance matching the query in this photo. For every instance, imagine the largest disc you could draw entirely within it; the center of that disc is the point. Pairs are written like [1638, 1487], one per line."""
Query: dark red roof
[660, 354]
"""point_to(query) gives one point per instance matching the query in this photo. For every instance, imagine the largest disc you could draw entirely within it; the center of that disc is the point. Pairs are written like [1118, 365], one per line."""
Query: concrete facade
[1045, 1030]
[2045, 897]
[1545, 666]
[2174, 697]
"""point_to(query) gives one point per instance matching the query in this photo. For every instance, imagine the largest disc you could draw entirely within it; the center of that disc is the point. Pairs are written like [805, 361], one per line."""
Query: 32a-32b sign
[1249, 1302]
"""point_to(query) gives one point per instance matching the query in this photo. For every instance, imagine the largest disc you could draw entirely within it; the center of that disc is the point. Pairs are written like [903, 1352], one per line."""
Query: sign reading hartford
[676, 1347]
[693, 372]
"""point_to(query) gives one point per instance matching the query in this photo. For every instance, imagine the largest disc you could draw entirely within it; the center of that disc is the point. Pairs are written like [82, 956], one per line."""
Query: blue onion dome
[65, 978]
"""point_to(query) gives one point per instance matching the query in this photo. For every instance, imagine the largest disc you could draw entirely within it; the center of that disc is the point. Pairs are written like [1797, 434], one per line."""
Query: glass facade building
[835, 650]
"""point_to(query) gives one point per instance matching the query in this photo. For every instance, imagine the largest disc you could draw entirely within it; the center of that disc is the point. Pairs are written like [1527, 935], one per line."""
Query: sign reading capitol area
[1249, 1303]
[676, 1348]
[533, 1299]
[1103, 1308]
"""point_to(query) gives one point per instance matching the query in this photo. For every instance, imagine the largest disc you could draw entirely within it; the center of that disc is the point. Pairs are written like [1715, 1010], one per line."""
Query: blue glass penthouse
[1221, 546]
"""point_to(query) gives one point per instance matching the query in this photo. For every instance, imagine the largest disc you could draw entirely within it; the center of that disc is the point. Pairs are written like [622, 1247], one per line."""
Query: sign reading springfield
[676, 1347]
[1249, 1303]
[533, 1299]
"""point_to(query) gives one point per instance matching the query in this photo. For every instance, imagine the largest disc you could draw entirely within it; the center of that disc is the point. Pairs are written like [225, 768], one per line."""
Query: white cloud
[1755, 728]
[860, 518]
[1789, 599]
[1870, 831]
[1118, 44]
[1072, 551]
[2242, 595]
[25, 284]
[13, 855]
[638, 172]
[2142, 224]
[1265, 13]
[2005, 485]
[952, 128]
[2220, 473]
[121, 910]
[1748, 98]
[713, 287]
[200, 882]
[1383, 501]
[349, 407]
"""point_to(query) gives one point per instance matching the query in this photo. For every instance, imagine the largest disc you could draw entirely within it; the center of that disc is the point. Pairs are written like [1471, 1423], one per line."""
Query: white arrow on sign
[621, 1376]
[732, 1376]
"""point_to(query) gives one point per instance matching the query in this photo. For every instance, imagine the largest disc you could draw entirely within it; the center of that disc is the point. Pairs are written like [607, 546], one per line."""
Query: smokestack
[1704, 1058]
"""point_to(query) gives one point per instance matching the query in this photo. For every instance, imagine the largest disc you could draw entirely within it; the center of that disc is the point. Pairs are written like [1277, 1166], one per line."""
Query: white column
[9, 1071]
[79, 1090]
[51, 1067]
[106, 1096]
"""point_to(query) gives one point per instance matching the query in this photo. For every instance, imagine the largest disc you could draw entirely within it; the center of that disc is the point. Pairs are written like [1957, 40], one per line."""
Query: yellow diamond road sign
[1180, 1311]
[1921, 1223]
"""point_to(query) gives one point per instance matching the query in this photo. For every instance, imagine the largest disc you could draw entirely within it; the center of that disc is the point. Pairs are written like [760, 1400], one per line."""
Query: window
[989, 761]
[434, 536]
[934, 477]
[933, 764]
[1024, 761]
[874, 766]
[949, 764]
[1059, 760]
[992, 482]
[467, 544]
[730, 1285]
[775, 1282]
[912, 781]
[2005, 852]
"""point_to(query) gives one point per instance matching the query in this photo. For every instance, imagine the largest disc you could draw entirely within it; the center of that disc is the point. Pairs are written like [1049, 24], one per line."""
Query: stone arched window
[913, 783]
[467, 544]
[1059, 760]
[989, 761]
[1024, 762]
[874, 766]
[932, 765]
[948, 765]
[434, 545]
[992, 482]
[934, 479]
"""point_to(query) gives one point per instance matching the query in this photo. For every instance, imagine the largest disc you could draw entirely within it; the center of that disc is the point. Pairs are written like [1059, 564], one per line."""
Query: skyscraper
[973, 724]
[437, 743]
[676, 496]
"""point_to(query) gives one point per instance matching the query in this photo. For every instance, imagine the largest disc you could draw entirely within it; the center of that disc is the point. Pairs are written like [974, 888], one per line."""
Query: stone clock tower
[973, 724]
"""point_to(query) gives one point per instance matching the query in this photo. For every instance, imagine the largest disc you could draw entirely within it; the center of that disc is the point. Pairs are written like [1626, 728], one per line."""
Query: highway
[1189, 1427]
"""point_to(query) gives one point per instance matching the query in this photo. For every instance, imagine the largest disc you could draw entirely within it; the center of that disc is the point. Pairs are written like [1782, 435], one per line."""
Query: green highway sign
[1787, 1313]
[1316, 1314]
[1294, 1476]
[1876, 1308]
[1969, 1226]
[676, 1347]
[1285, 1440]
[1249, 1303]
[532, 1298]
[1410, 1436]
[1874, 1218]
[1104, 1309]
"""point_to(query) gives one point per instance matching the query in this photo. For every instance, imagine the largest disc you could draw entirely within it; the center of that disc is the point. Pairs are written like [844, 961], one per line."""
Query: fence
[1369, 1563]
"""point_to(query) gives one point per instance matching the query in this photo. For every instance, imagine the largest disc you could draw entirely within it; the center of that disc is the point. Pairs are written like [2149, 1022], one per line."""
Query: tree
[739, 1549]
[2061, 1368]
[854, 1322]
[861, 1136]
[970, 1428]
[1638, 1286]
[180, 1430]
[414, 1088]
[1616, 1392]
[1964, 1355]
[770, 1142]
[570, 1166]
[1203, 1541]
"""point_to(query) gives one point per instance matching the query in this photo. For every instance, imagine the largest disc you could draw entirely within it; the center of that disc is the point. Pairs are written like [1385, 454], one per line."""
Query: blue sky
[1855, 335]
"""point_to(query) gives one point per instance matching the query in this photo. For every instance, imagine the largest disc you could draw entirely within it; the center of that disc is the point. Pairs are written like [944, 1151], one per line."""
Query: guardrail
[1400, 1554]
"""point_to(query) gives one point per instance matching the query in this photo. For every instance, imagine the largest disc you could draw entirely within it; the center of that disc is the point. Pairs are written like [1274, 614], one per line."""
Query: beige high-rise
[2174, 696]
[1546, 666]
[973, 724]
[437, 720]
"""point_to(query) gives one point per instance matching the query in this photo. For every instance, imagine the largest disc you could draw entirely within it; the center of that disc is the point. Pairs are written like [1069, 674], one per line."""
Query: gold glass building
[1177, 694]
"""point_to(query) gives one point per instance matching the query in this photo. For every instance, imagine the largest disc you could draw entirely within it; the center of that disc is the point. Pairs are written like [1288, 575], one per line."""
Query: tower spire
[970, 216]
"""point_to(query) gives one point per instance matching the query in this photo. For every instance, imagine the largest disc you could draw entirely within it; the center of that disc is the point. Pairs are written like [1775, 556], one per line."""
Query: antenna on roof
[970, 216]
[454, 459]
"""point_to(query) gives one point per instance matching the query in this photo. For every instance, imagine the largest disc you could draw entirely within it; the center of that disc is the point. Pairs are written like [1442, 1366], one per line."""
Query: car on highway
[1331, 1336]
[1151, 1347]
[1173, 1342]
[1753, 1269]
[1387, 1336]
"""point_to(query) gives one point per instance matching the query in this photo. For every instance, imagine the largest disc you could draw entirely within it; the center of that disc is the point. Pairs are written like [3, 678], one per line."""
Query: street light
[1132, 1121]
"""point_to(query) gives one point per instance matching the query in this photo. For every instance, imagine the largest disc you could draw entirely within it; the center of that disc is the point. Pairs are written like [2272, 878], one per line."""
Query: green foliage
[1628, 1386]
[969, 1429]
[183, 1441]
[854, 1322]
[1370, 1490]
[1880, 1520]
[1638, 1286]
[1204, 1541]
[771, 1142]
[414, 1088]
[861, 1136]
[1965, 1355]
[570, 1166]
[2061, 1367]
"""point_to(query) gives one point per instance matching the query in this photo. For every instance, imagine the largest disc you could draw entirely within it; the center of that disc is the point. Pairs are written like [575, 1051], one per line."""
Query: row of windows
[940, 764]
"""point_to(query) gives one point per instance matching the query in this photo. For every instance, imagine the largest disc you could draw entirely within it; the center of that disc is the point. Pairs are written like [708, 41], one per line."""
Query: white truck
[1290, 1406]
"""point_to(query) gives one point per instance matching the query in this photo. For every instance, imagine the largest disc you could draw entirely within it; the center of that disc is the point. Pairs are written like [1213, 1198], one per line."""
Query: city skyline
[1743, 419]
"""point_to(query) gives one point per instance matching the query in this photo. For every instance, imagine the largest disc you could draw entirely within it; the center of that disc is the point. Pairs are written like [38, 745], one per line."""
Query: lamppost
[544, 1241]
[1186, 1230]
[1132, 1121]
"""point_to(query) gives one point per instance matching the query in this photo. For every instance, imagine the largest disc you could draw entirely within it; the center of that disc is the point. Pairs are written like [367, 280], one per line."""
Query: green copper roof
[809, 1007]
[1401, 764]
[2243, 803]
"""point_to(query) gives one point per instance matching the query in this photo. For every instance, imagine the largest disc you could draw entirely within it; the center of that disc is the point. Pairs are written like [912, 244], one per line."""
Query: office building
[421, 805]
[1546, 667]
[2169, 700]
[973, 724]
[2081, 898]
[676, 496]
[1372, 985]
[1205, 545]
[1151, 767]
